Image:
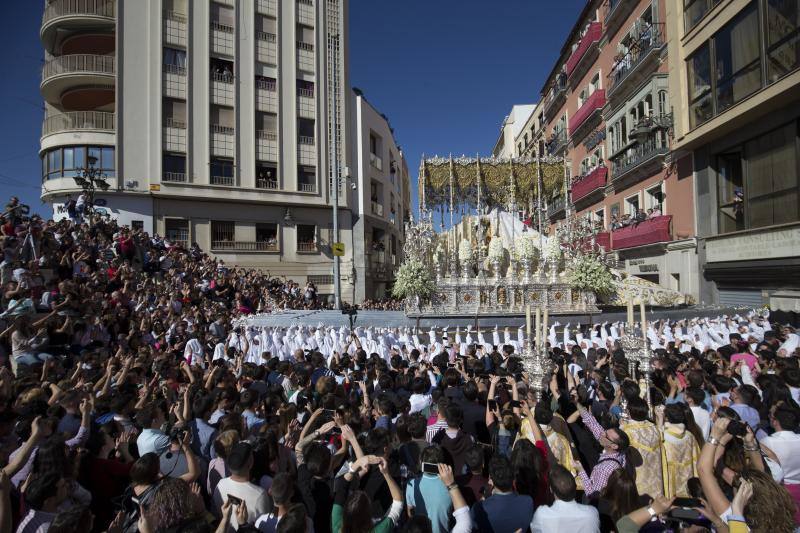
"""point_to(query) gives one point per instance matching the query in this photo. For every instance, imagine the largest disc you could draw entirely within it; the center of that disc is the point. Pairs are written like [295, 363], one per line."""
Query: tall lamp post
[90, 179]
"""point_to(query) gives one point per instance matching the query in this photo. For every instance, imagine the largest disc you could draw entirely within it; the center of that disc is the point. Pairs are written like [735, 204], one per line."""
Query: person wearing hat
[237, 488]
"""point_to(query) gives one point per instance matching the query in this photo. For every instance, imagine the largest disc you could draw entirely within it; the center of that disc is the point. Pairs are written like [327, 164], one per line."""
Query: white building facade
[217, 122]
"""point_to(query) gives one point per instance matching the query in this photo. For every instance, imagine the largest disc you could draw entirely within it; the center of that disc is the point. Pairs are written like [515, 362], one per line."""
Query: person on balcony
[656, 212]
[639, 217]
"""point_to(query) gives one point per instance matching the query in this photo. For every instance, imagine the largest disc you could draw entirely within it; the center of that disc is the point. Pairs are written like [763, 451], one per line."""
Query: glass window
[730, 192]
[79, 155]
[222, 168]
[738, 59]
[175, 57]
[783, 37]
[693, 11]
[107, 158]
[223, 231]
[772, 184]
[700, 104]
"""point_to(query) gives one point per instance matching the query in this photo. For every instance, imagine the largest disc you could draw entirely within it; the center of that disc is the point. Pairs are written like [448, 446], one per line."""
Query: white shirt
[254, 497]
[786, 446]
[569, 517]
[702, 418]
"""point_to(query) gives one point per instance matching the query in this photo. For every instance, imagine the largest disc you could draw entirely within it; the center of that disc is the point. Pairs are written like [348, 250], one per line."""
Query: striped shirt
[607, 463]
[36, 522]
[434, 428]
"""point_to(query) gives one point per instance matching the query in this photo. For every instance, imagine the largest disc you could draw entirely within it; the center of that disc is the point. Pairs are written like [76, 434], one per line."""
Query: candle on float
[630, 313]
[528, 322]
[538, 327]
[644, 321]
[544, 325]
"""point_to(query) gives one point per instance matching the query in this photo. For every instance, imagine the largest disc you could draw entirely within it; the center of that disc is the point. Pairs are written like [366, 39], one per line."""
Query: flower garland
[552, 250]
[497, 251]
[587, 273]
[525, 247]
[465, 251]
[413, 279]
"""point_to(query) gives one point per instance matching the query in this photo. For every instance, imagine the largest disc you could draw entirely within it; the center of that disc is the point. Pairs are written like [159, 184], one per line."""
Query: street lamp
[90, 179]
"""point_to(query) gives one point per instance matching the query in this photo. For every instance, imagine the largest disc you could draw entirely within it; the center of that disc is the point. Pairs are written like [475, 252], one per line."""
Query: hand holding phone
[234, 500]
[430, 468]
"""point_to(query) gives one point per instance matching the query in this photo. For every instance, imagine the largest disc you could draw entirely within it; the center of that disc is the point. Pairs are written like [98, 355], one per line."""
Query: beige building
[218, 122]
[512, 127]
[734, 82]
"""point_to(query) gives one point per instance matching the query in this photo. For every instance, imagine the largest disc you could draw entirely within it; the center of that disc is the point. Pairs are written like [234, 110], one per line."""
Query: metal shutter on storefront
[738, 297]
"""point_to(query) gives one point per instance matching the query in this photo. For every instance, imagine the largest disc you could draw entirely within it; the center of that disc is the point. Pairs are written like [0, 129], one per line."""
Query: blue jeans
[27, 359]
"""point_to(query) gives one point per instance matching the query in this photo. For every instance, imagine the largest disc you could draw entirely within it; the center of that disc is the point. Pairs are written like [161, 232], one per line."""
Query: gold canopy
[489, 182]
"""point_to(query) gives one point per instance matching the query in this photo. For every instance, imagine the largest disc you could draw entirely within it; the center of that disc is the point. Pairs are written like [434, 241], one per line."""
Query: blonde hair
[771, 508]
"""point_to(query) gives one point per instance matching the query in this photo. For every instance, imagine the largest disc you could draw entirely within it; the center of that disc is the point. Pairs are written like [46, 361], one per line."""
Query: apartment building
[512, 127]
[734, 85]
[218, 122]
[606, 109]
[382, 200]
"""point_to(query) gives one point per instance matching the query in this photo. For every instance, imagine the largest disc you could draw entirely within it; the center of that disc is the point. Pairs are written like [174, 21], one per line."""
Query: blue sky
[445, 73]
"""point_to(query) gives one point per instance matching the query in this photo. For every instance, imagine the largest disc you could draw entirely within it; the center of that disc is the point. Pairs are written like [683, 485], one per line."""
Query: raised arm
[705, 468]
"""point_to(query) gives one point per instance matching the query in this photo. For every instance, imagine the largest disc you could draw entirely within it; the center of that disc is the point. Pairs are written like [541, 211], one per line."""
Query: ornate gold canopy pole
[452, 179]
[422, 206]
[478, 177]
[540, 187]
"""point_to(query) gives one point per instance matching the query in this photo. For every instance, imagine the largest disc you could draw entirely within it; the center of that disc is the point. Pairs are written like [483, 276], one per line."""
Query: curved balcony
[590, 183]
[589, 109]
[556, 96]
[80, 123]
[587, 48]
[616, 13]
[73, 72]
[651, 231]
[640, 61]
[75, 15]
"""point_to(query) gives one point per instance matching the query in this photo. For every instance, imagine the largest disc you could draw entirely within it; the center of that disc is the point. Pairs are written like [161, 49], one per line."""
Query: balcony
[307, 247]
[306, 151]
[267, 47]
[603, 239]
[244, 246]
[174, 177]
[79, 121]
[377, 209]
[644, 157]
[590, 108]
[267, 7]
[222, 140]
[556, 207]
[305, 12]
[175, 81]
[306, 105]
[174, 136]
[584, 53]
[307, 187]
[79, 72]
[376, 161]
[174, 28]
[75, 14]
[305, 57]
[228, 181]
[222, 39]
[266, 184]
[266, 145]
[588, 184]
[631, 69]
[556, 142]
[555, 97]
[650, 231]
[616, 14]
[222, 90]
[266, 96]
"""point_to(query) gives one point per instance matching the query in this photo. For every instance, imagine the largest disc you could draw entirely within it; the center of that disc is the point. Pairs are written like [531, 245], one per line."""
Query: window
[632, 205]
[267, 233]
[222, 16]
[222, 172]
[305, 34]
[137, 225]
[663, 104]
[175, 58]
[305, 88]
[738, 59]
[69, 161]
[221, 70]
[267, 122]
[654, 198]
[223, 231]
[758, 182]
[307, 178]
[174, 113]
[306, 238]
[374, 144]
[305, 127]
[783, 37]
[600, 217]
[177, 231]
[174, 167]
[223, 117]
[730, 192]
[266, 175]
[694, 10]
[700, 105]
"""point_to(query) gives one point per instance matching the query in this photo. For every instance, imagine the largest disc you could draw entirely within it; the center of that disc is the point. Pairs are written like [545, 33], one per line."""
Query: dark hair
[318, 459]
[454, 415]
[473, 458]
[419, 385]
[562, 483]
[418, 523]
[41, 488]
[527, 464]
[282, 488]
[501, 473]
[74, 519]
[786, 417]
[606, 389]
[357, 516]
[145, 469]
[470, 390]
[431, 454]
[622, 441]
[621, 494]
[638, 409]
[416, 425]
[674, 414]
[542, 414]
[696, 394]
[294, 521]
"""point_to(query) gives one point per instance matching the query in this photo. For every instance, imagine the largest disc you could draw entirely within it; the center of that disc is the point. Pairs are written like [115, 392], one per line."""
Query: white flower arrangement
[438, 254]
[413, 279]
[552, 250]
[588, 273]
[525, 248]
[465, 251]
[497, 251]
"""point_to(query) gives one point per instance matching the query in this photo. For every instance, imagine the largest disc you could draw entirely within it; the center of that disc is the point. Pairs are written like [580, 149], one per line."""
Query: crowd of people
[638, 217]
[134, 398]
